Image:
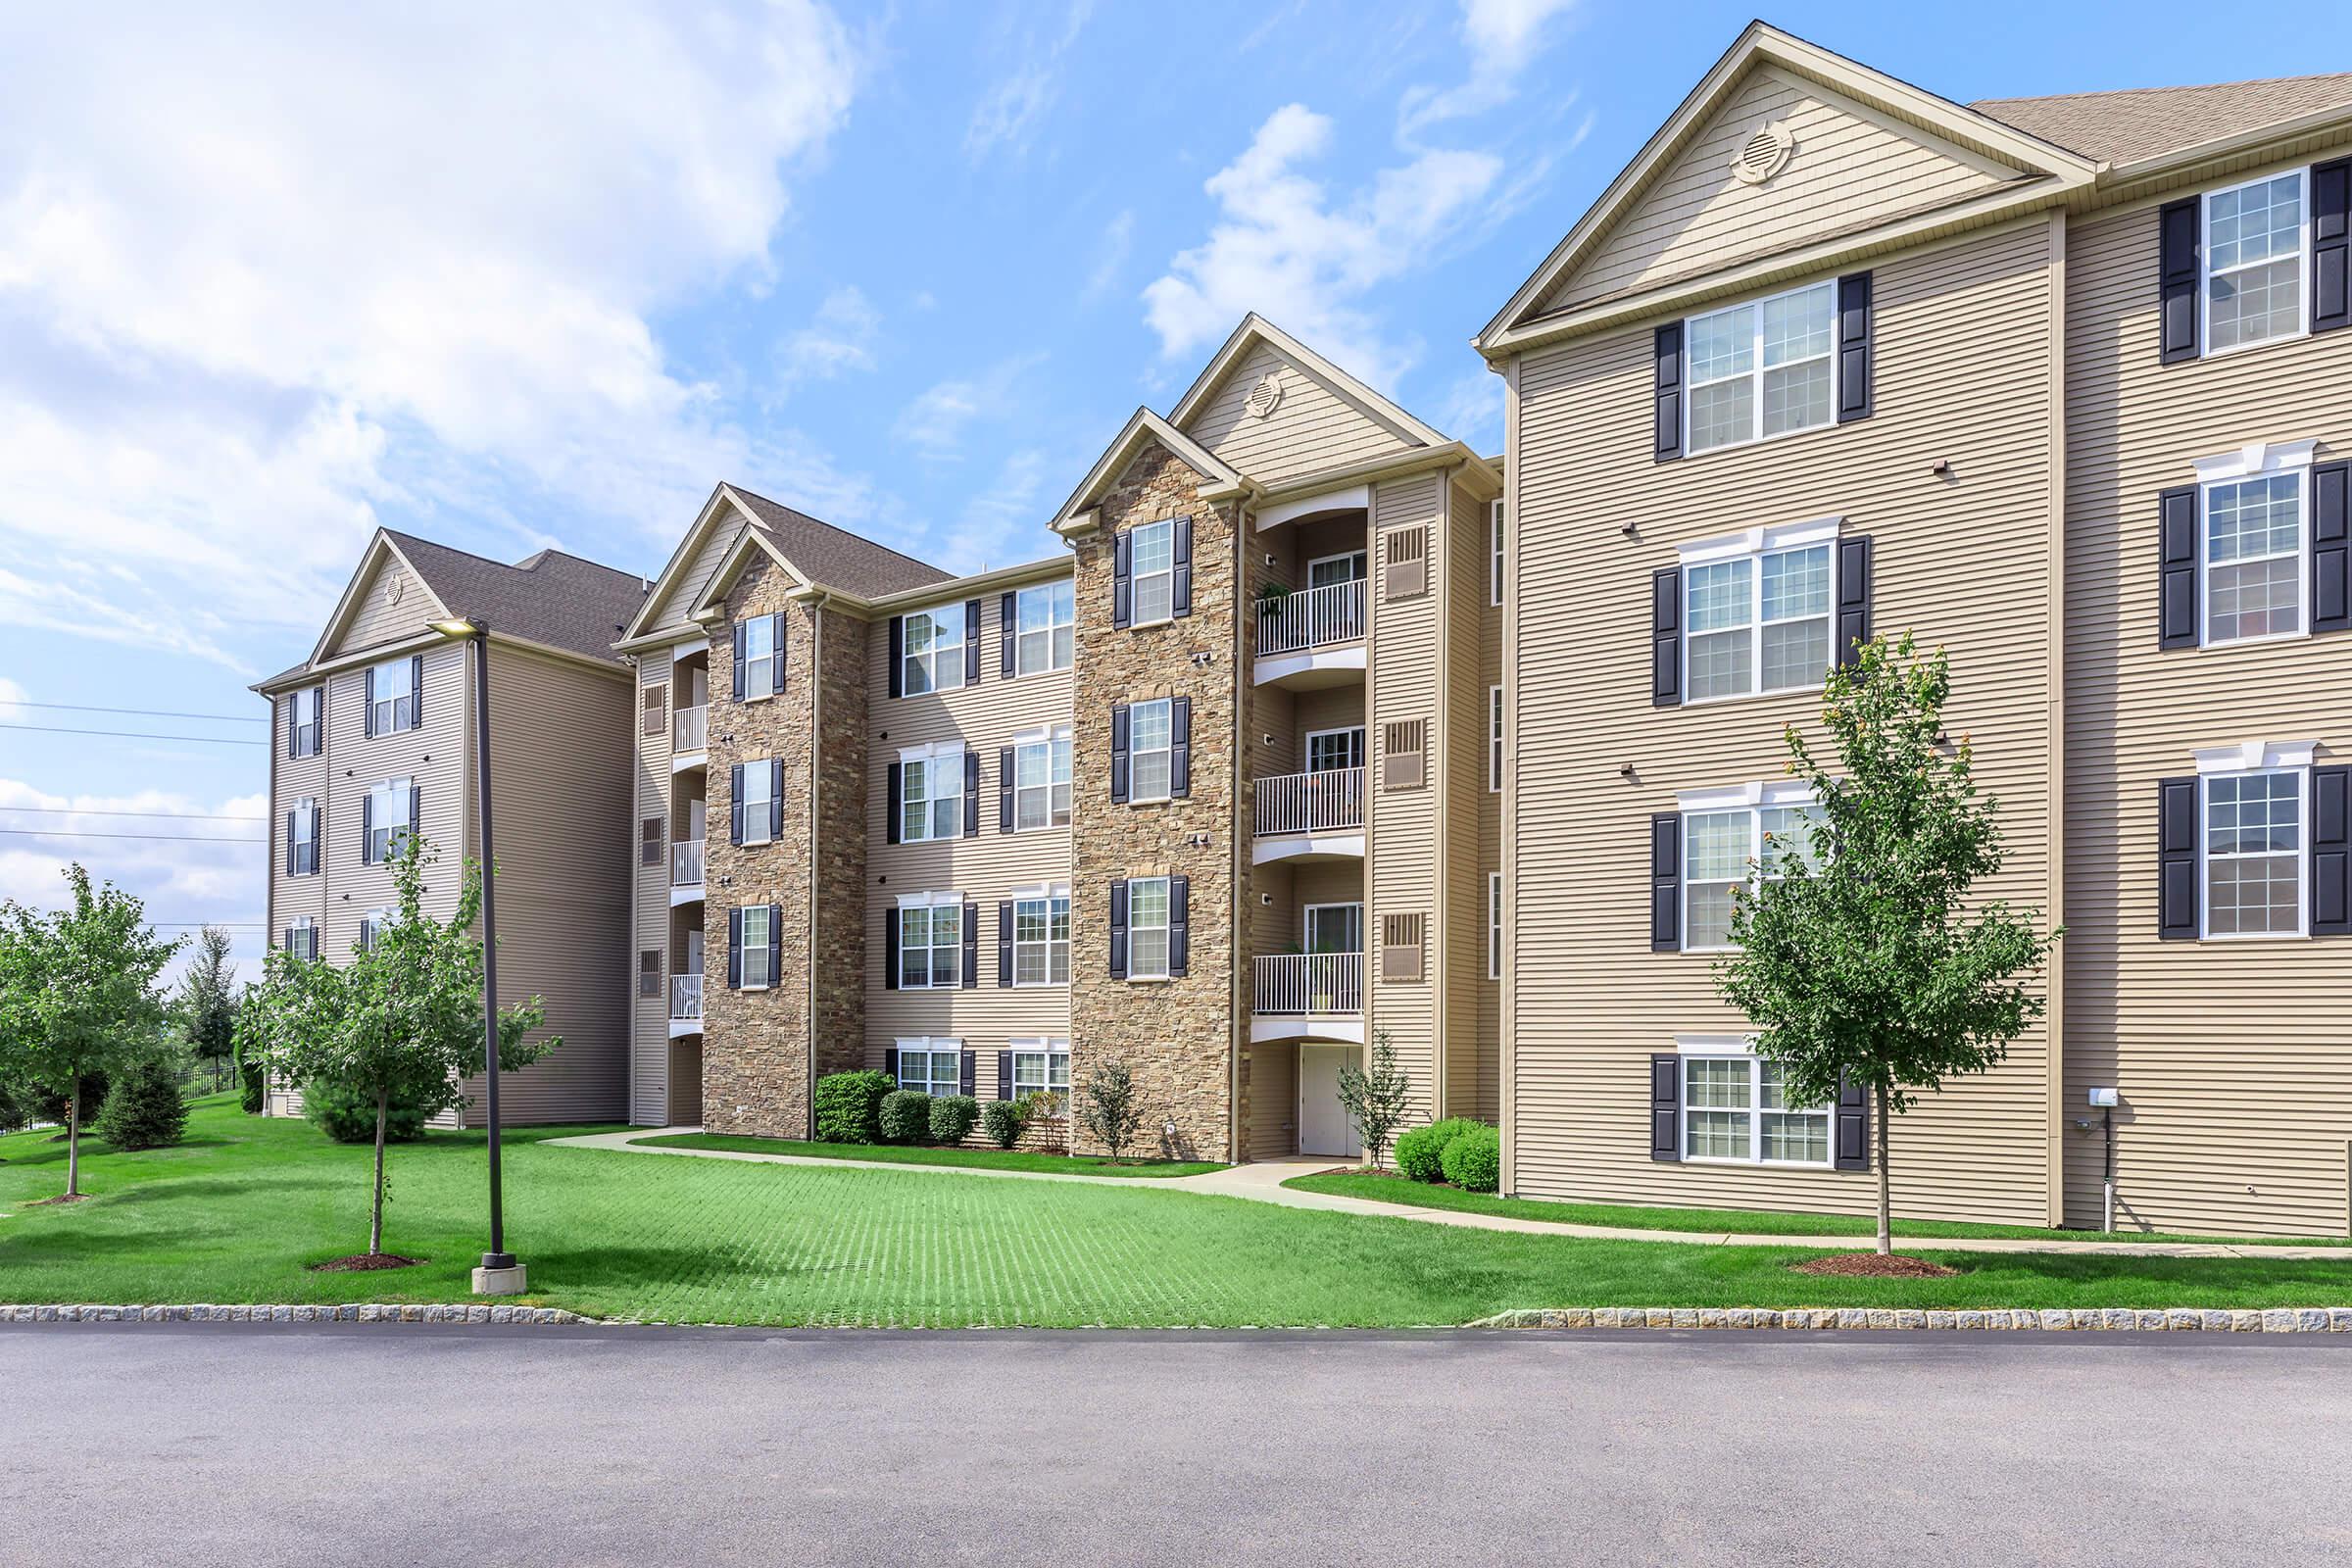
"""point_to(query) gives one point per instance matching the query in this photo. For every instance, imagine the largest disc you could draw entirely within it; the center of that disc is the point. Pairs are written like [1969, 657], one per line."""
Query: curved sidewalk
[1261, 1182]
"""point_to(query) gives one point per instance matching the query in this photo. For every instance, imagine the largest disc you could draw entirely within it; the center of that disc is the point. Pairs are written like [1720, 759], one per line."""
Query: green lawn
[1384, 1189]
[234, 1215]
[892, 1154]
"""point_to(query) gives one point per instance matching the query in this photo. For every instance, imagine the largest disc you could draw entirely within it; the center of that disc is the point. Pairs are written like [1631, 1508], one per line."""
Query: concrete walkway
[1261, 1181]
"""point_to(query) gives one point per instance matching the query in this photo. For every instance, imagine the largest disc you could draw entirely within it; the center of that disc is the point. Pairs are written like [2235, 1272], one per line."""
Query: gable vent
[1265, 396]
[1763, 155]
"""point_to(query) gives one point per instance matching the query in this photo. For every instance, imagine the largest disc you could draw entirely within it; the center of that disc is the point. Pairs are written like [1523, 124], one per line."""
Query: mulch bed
[1871, 1265]
[364, 1262]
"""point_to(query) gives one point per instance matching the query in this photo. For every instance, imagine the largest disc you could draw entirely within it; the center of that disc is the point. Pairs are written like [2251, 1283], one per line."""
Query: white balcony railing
[1312, 618]
[1311, 802]
[1311, 984]
[691, 731]
[686, 863]
[685, 996]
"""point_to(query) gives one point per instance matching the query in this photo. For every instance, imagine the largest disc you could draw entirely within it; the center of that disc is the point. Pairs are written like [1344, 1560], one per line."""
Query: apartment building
[2054, 383]
[373, 740]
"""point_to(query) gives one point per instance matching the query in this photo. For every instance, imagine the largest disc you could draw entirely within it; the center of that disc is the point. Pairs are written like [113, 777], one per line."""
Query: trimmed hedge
[143, 1110]
[1420, 1153]
[348, 1115]
[848, 1107]
[906, 1116]
[952, 1119]
[1004, 1120]
[253, 1083]
[1473, 1162]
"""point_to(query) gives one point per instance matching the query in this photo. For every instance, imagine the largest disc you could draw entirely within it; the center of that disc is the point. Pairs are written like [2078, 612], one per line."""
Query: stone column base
[499, 1280]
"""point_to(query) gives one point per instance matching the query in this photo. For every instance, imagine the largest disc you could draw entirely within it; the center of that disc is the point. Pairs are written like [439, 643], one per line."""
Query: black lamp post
[500, 1274]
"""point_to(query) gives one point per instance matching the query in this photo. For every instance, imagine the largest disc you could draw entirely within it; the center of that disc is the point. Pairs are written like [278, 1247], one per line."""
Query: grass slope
[895, 1155]
[234, 1216]
[1383, 1188]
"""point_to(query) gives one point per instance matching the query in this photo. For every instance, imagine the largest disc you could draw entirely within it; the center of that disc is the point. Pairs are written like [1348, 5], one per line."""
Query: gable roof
[2126, 127]
[1143, 426]
[1255, 329]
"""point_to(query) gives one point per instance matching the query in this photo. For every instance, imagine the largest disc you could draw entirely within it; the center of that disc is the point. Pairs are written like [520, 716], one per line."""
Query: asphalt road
[171, 1443]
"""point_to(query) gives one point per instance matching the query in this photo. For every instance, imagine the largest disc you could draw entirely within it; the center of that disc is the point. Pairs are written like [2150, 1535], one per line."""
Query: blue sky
[541, 274]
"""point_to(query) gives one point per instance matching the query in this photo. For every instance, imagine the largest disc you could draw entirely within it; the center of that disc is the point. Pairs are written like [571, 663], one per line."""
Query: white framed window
[931, 941]
[302, 721]
[1153, 567]
[302, 937]
[1148, 928]
[372, 927]
[1046, 627]
[1041, 1066]
[1328, 571]
[1494, 925]
[392, 697]
[931, 1066]
[1732, 839]
[1150, 749]
[2254, 542]
[760, 657]
[1494, 739]
[757, 804]
[1041, 938]
[1494, 551]
[388, 806]
[754, 952]
[1040, 780]
[2253, 840]
[931, 794]
[1758, 609]
[1330, 751]
[302, 842]
[2256, 251]
[1735, 1111]
[933, 659]
[1760, 370]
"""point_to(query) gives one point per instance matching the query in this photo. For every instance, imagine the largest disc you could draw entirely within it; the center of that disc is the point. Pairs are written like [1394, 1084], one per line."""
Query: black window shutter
[415, 807]
[367, 712]
[293, 725]
[1003, 1075]
[971, 642]
[1118, 929]
[775, 944]
[743, 645]
[775, 798]
[291, 867]
[367, 830]
[1851, 1152]
[968, 1081]
[1005, 779]
[1003, 942]
[734, 949]
[1180, 744]
[775, 661]
[1666, 882]
[1666, 1107]
[1179, 924]
[2331, 851]
[1668, 350]
[2180, 228]
[971, 794]
[415, 691]
[889, 953]
[1853, 597]
[894, 805]
[2176, 858]
[1853, 348]
[2331, 546]
[890, 1062]
[735, 804]
[1122, 581]
[1666, 638]
[1008, 616]
[897, 658]
[2176, 584]
[2331, 245]
[1119, 754]
[1180, 586]
[972, 946]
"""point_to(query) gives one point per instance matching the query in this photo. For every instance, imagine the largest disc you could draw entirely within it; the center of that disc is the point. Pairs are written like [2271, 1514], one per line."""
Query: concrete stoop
[2078, 1320]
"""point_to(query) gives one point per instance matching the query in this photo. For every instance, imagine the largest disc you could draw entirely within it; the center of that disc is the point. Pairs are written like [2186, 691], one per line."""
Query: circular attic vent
[1763, 155]
[1265, 396]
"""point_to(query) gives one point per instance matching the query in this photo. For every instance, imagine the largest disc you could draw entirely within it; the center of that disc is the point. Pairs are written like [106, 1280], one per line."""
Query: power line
[75, 811]
[134, 735]
[183, 838]
[141, 713]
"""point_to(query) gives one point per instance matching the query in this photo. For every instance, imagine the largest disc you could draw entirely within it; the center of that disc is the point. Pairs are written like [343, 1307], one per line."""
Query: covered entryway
[1323, 1127]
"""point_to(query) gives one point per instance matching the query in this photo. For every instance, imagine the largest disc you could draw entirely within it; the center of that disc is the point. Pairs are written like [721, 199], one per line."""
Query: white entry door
[1323, 1127]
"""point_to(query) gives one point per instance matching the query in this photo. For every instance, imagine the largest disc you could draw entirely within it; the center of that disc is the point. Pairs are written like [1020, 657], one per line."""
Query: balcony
[688, 737]
[1312, 637]
[1309, 996]
[685, 1005]
[685, 872]
[1310, 817]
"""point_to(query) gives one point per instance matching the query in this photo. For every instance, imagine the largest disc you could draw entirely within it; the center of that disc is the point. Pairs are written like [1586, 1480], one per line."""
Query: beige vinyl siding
[295, 779]
[1402, 839]
[715, 545]
[986, 717]
[1849, 169]
[379, 619]
[1463, 780]
[1489, 851]
[1311, 429]
[650, 1092]
[2234, 1068]
[1963, 355]
[1273, 1129]
[434, 755]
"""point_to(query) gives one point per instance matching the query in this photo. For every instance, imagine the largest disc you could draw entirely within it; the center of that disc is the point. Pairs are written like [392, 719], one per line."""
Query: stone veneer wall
[840, 939]
[1178, 1036]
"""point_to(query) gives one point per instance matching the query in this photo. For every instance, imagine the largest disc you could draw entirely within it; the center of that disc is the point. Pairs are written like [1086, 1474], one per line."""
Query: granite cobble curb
[2074, 1320]
[346, 1313]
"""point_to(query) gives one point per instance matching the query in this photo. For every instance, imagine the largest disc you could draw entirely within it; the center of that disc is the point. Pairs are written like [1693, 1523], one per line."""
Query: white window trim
[1162, 972]
[1021, 633]
[1306, 921]
[1308, 743]
[962, 659]
[2302, 329]
[2248, 760]
[306, 832]
[1494, 543]
[372, 923]
[1494, 925]
[296, 723]
[408, 671]
[1363, 555]
[766, 795]
[765, 688]
[932, 756]
[1135, 797]
[1045, 893]
[1756, 367]
[926, 902]
[1045, 736]
[1739, 1047]
[1495, 740]
[743, 953]
[2252, 462]
[1040, 1046]
[930, 1045]
[305, 924]
[1134, 577]
[1754, 799]
[401, 790]
[1753, 544]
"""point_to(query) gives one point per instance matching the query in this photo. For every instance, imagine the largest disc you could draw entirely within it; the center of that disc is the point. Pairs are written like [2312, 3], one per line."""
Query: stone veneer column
[839, 941]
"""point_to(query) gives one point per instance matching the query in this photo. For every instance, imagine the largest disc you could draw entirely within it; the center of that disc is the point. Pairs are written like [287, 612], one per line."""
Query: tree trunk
[73, 1139]
[1885, 1189]
[375, 1226]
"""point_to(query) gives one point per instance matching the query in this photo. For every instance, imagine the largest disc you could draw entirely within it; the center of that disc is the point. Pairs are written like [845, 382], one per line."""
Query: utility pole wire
[76, 811]
[183, 838]
[141, 713]
[134, 735]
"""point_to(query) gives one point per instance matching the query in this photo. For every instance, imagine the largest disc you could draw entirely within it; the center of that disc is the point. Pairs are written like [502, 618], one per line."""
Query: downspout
[817, 731]
[1240, 991]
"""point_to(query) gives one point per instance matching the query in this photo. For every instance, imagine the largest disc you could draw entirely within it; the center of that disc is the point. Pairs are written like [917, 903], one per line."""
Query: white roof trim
[688, 547]
[2257, 456]
[1752, 541]
[1140, 424]
[711, 601]
[2249, 756]
[1255, 329]
[347, 607]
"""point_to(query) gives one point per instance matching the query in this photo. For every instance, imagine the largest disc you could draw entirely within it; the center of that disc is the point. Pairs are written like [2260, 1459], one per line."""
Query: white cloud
[839, 338]
[1007, 115]
[1284, 247]
[1502, 37]
[1004, 524]
[1471, 409]
[936, 423]
[265, 267]
[1110, 254]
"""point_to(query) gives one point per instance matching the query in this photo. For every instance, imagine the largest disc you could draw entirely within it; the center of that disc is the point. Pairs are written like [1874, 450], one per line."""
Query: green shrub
[1004, 1120]
[143, 1109]
[49, 1104]
[1420, 1153]
[16, 1113]
[348, 1115]
[952, 1119]
[253, 1082]
[1473, 1162]
[848, 1107]
[906, 1116]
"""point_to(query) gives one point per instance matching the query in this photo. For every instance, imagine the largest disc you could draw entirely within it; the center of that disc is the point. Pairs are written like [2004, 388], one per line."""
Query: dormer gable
[387, 603]
[1272, 409]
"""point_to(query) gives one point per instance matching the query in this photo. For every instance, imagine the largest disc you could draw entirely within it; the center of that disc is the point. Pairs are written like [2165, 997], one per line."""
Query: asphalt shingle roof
[2140, 122]
[550, 598]
[835, 557]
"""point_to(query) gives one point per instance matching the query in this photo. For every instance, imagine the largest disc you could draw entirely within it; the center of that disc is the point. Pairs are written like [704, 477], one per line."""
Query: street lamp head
[454, 626]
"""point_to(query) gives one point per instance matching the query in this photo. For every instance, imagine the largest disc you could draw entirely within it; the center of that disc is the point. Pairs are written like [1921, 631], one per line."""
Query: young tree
[1377, 1102]
[401, 1021]
[1111, 1111]
[1862, 959]
[207, 1004]
[78, 994]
